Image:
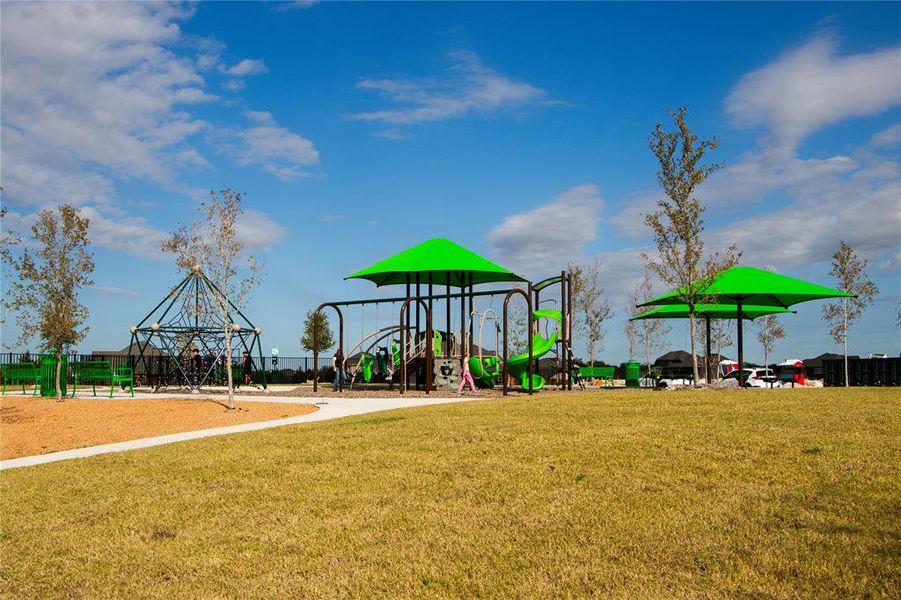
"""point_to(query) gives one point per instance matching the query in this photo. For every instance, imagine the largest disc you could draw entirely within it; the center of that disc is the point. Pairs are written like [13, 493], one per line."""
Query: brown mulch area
[30, 426]
[325, 392]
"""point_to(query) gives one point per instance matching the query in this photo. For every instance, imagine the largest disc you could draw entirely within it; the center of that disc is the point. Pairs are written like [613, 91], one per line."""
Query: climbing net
[188, 328]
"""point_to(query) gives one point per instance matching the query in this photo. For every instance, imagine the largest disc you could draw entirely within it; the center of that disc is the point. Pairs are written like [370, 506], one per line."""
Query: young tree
[518, 326]
[769, 331]
[650, 334]
[44, 289]
[720, 336]
[590, 304]
[318, 324]
[678, 223]
[631, 327]
[212, 246]
[850, 271]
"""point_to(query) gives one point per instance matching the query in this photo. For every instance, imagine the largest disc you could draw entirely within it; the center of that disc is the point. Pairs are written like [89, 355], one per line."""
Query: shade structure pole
[533, 329]
[471, 300]
[418, 331]
[569, 324]
[563, 339]
[741, 350]
[418, 294]
[430, 299]
[447, 322]
[532, 325]
[464, 348]
[707, 353]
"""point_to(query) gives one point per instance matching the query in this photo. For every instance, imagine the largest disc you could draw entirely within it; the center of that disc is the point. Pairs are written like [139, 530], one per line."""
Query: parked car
[761, 378]
[648, 380]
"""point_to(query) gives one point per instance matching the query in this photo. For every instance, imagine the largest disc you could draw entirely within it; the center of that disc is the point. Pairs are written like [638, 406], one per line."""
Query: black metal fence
[162, 370]
[863, 371]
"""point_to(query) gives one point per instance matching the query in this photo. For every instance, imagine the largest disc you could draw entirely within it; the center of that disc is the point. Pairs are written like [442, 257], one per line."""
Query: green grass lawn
[773, 493]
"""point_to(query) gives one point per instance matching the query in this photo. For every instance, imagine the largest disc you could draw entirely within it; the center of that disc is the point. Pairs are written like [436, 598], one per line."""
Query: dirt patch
[30, 426]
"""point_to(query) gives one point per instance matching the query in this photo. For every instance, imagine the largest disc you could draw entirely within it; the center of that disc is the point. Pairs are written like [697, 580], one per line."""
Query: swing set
[412, 353]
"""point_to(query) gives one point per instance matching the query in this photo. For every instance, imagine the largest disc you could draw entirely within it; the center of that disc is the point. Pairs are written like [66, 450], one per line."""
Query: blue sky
[518, 130]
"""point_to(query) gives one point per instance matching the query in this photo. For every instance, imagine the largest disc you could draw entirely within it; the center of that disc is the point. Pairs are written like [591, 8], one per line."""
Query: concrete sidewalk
[332, 408]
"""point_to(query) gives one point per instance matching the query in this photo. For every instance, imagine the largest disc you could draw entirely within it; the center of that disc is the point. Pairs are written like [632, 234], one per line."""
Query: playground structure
[189, 318]
[434, 358]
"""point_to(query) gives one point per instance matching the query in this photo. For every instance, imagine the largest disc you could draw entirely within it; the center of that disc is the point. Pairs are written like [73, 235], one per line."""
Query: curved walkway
[334, 408]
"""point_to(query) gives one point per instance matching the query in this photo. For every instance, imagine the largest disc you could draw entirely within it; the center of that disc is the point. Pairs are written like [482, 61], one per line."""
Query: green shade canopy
[438, 261]
[714, 311]
[747, 285]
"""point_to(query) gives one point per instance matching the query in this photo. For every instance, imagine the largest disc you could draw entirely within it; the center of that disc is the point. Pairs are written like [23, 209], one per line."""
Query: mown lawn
[773, 493]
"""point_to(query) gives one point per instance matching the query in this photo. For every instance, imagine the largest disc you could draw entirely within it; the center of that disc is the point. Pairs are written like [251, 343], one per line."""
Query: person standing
[338, 364]
[196, 365]
[466, 378]
[247, 366]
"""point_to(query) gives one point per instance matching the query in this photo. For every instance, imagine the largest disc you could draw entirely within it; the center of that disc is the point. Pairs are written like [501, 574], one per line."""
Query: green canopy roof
[440, 261]
[714, 311]
[758, 287]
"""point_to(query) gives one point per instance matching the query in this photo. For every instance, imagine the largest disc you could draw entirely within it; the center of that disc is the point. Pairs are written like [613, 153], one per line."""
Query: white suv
[762, 378]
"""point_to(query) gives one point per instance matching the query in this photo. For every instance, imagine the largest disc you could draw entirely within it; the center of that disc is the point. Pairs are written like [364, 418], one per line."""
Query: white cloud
[811, 87]
[860, 206]
[470, 87]
[234, 85]
[113, 291]
[96, 94]
[131, 235]
[260, 116]
[758, 173]
[551, 234]
[296, 4]
[331, 217]
[823, 199]
[259, 231]
[887, 137]
[95, 85]
[248, 66]
[275, 149]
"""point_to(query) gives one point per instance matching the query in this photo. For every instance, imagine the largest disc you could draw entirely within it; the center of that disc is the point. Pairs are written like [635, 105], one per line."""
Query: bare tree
[591, 307]
[212, 246]
[650, 334]
[769, 331]
[678, 223]
[720, 336]
[44, 291]
[850, 271]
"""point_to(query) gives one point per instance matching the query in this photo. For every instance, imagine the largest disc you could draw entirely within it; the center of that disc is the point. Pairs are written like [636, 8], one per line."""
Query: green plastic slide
[488, 372]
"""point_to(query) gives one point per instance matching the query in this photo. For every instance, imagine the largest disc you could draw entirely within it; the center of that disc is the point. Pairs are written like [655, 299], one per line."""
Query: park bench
[100, 371]
[21, 372]
[604, 373]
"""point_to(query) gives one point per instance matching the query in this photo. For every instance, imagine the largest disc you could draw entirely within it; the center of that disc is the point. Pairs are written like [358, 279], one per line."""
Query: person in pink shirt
[466, 378]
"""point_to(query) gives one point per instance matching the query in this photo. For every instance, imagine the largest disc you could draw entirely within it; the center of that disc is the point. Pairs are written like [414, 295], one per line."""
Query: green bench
[100, 371]
[605, 373]
[21, 372]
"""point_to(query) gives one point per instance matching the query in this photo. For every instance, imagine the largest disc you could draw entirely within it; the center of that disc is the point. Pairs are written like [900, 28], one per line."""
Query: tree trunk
[694, 356]
[845, 340]
[59, 370]
[228, 369]
[647, 352]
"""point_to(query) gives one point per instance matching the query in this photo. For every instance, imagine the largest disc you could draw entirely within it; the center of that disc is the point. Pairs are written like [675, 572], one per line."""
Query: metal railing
[162, 371]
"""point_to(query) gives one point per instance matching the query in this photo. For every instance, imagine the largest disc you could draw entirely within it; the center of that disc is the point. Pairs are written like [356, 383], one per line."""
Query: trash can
[48, 375]
[633, 372]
